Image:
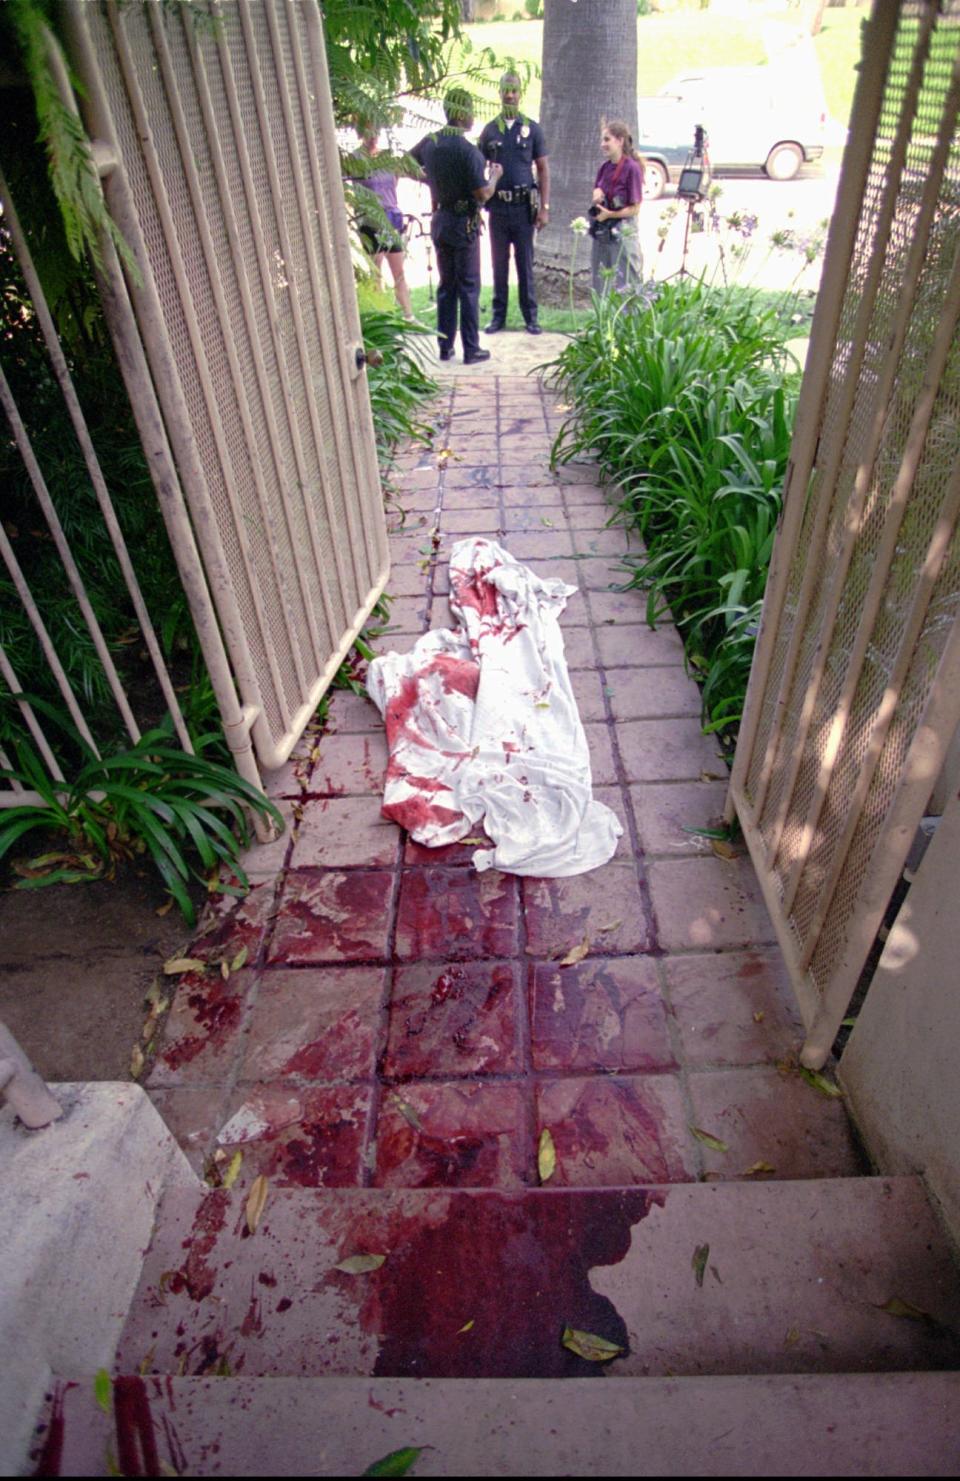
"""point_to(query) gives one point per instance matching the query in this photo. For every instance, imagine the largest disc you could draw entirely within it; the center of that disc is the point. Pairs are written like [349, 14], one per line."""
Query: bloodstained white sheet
[482, 726]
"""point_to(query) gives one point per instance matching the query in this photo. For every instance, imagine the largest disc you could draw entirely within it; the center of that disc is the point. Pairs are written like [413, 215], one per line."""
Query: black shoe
[477, 355]
[534, 329]
[446, 354]
[494, 327]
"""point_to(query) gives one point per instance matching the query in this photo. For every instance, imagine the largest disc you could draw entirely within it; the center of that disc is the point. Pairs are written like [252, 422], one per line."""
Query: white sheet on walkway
[482, 726]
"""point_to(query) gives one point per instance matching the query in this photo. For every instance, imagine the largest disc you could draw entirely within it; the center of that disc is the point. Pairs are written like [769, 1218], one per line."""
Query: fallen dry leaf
[758, 1016]
[408, 1113]
[611, 925]
[897, 1307]
[722, 848]
[466, 1326]
[225, 970]
[230, 1176]
[576, 953]
[792, 1336]
[146, 1362]
[360, 1264]
[136, 1062]
[179, 964]
[164, 909]
[588, 1345]
[699, 1262]
[758, 1167]
[256, 1201]
[546, 1155]
[820, 1082]
[713, 1142]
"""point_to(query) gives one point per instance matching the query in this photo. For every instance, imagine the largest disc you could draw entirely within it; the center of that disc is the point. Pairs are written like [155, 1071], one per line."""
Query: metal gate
[854, 696]
[239, 335]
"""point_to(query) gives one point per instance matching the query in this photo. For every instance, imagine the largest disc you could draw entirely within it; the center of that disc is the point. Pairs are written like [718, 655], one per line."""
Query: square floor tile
[613, 798]
[604, 907]
[307, 1137]
[541, 544]
[515, 473]
[708, 904]
[466, 1134]
[343, 832]
[578, 648]
[616, 1131]
[204, 1028]
[450, 854]
[264, 861]
[652, 693]
[315, 1024]
[352, 714]
[621, 608]
[453, 1019]
[193, 1115]
[518, 495]
[600, 745]
[456, 915]
[764, 1116]
[349, 764]
[666, 811]
[599, 1015]
[732, 1008]
[588, 692]
[612, 541]
[407, 581]
[476, 476]
[531, 519]
[458, 523]
[589, 516]
[667, 751]
[471, 496]
[636, 644]
[229, 925]
[336, 916]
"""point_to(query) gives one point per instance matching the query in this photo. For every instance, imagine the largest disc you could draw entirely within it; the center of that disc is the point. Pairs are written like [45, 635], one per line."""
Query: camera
[603, 229]
[695, 176]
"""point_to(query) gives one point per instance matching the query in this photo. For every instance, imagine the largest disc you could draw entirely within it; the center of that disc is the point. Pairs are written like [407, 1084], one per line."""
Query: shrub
[688, 403]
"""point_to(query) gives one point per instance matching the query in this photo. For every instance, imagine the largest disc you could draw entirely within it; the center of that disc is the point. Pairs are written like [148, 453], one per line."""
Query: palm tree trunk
[589, 66]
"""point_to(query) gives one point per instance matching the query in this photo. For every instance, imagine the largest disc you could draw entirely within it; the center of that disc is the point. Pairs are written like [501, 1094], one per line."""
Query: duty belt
[522, 193]
[459, 208]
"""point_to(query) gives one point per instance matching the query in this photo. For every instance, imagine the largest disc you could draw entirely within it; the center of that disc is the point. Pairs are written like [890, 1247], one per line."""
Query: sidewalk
[399, 1021]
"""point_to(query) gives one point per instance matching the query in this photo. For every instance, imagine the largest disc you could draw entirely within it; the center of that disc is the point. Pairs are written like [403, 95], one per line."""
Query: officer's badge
[525, 132]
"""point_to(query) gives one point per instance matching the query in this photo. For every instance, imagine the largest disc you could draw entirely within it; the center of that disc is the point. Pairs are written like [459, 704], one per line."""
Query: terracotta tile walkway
[400, 1021]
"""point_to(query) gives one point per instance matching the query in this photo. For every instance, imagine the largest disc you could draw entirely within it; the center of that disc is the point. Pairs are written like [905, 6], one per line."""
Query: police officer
[456, 172]
[521, 206]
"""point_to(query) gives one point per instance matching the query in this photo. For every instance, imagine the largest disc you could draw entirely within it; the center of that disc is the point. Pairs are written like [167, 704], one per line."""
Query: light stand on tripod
[692, 187]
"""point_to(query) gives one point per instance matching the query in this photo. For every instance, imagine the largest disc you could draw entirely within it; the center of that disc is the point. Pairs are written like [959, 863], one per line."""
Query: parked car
[765, 118]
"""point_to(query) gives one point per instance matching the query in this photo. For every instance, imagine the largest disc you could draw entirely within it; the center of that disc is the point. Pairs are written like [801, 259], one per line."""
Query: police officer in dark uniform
[456, 171]
[521, 205]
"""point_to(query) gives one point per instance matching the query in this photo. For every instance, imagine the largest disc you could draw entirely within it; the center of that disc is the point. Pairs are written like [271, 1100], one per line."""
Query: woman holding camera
[617, 193]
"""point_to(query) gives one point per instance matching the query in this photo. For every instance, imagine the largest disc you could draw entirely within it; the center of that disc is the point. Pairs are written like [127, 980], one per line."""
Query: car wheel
[784, 161]
[654, 179]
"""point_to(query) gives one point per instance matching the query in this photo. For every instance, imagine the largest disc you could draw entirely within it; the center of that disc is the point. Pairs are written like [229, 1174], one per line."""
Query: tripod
[692, 187]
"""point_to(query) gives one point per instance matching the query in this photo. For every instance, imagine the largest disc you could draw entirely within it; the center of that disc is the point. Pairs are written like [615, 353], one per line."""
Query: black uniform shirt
[514, 143]
[453, 166]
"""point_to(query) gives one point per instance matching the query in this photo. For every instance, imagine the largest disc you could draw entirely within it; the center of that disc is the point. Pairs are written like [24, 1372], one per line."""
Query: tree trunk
[589, 69]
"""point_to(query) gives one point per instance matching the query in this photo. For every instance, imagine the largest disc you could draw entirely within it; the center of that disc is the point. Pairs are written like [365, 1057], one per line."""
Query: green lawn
[667, 44]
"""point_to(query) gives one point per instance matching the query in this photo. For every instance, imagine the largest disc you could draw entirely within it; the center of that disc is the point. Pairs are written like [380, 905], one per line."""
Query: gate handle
[368, 357]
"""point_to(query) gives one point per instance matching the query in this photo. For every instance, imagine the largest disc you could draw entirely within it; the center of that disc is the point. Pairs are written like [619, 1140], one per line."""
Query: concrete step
[890, 1424]
[481, 1284]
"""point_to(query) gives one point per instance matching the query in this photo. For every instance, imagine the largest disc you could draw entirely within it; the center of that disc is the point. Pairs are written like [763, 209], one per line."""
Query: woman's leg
[400, 287]
[629, 261]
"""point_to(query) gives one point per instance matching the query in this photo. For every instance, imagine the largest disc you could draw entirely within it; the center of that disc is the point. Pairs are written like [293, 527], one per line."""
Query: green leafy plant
[187, 814]
[687, 398]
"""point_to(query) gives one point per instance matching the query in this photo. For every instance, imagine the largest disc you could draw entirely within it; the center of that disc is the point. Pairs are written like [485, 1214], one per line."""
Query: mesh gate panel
[220, 132]
[862, 681]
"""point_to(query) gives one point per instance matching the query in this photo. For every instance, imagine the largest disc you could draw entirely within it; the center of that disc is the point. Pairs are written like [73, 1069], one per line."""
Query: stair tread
[897, 1424]
[794, 1280]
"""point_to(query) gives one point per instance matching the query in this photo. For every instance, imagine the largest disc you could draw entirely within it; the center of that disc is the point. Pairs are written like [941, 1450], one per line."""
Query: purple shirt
[624, 180]
[384, 187]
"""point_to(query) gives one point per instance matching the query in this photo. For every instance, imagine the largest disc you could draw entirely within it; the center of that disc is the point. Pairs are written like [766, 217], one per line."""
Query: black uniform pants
[458, 270]
[510, 226]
